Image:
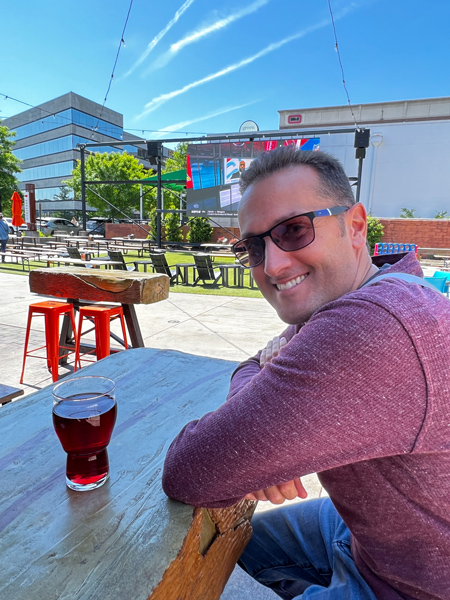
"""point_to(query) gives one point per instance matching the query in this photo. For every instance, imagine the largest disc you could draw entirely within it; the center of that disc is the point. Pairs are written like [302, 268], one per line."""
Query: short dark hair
[334, 182]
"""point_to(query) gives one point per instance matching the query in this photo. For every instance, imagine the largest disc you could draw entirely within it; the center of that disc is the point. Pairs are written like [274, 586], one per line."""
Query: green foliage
[374, 232]
[200, 230]
[178, 160]
[64, 194]
[172, 228]
[176, 163]
[152, 223]
[112, 166]
[9, 165]
[408, 213]
[441, 214]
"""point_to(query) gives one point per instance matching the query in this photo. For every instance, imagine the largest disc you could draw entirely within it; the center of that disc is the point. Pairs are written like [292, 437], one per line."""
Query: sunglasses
[289, 235]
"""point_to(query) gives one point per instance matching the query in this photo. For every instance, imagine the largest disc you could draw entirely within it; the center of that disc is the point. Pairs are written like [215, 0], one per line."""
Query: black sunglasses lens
[250, 252]
[293, 234]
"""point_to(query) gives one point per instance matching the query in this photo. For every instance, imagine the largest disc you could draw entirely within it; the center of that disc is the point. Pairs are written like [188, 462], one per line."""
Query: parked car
[96, 225]
[8, 222]
[12, 229]
[49, 225]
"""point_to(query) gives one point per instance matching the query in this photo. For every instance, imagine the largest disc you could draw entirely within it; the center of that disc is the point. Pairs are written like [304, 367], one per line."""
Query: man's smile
[292, 283]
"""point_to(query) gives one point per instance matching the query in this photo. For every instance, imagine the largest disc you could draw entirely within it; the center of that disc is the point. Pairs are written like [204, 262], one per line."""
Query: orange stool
[51, 312]
[101, 316]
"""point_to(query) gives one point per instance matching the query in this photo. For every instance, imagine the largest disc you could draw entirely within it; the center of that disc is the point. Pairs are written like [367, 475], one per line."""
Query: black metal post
[158, 201]
[358, 186]
[83, 187]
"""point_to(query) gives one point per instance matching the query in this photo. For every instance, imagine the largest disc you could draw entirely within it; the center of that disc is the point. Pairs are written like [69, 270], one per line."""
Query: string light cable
[99, 129]
[336, 47]
[121, 43]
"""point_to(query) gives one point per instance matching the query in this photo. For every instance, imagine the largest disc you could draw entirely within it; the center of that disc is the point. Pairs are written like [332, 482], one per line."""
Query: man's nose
[276, 260]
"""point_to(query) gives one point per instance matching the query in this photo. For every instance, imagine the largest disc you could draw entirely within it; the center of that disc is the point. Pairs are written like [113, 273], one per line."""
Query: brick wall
[113, 230]
[426, 233]
[124, 229]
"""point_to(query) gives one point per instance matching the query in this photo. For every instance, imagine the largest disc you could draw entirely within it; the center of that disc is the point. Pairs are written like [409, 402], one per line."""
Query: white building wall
[410, 168]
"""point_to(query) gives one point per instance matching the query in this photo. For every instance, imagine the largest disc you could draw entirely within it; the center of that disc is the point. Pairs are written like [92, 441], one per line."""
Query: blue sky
[200, 66]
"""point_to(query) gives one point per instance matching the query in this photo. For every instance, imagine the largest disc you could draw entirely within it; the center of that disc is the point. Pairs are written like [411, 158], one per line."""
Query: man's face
[297, 283]
[242, 166]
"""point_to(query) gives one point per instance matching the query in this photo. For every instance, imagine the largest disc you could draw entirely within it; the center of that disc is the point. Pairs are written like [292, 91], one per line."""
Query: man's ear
[358, 225]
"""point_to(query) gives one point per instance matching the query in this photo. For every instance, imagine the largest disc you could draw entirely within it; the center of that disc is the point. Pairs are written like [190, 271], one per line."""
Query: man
[239, 173]
[4, 233]
[356, 389]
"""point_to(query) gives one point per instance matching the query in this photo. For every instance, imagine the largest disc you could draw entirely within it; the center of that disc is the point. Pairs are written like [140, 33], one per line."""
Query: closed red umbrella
[16, 220]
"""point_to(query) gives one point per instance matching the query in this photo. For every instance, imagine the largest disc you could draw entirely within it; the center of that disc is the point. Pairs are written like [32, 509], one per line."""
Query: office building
[46, 141]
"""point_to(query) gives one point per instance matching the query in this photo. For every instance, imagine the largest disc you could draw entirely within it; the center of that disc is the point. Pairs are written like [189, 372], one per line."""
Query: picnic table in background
[125, 539]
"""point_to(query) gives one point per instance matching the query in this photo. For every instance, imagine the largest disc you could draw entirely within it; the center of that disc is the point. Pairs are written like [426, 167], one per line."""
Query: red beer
[84, 423]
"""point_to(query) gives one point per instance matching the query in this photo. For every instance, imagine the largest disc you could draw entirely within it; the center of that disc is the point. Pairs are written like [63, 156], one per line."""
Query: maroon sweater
[360, 395]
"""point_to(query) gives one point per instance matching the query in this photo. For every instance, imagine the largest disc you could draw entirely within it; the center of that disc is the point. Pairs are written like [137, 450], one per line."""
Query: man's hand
[271, 350]
[277, 494]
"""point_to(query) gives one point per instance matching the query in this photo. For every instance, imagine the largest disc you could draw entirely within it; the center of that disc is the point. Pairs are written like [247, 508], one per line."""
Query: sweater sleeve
[251, 367]
[329, 399]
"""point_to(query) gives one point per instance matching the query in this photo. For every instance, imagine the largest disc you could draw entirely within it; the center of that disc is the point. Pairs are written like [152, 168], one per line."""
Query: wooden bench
[18, 256]
[437, 252]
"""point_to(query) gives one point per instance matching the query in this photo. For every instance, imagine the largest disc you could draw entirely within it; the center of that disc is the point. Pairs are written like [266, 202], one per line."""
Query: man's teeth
[291, 283]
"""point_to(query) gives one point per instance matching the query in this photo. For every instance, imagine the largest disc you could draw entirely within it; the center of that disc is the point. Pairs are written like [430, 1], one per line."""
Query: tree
[173, 232]
[9, 165]
[64, 194]
[199, 230]
[178, 159]
[109, 167]
[374, 232]
[172, 222]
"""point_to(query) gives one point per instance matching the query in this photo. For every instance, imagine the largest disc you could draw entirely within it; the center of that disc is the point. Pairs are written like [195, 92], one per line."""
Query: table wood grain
[126, 539]
[100, 285]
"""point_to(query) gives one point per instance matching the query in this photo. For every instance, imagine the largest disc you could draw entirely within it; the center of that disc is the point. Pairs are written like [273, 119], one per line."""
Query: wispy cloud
[179, 126]
[159, 36]
[220, 24]
[202, 32]
[163, 98]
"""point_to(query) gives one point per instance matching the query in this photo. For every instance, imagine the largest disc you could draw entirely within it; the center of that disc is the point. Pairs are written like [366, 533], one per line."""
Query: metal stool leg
[27, 337]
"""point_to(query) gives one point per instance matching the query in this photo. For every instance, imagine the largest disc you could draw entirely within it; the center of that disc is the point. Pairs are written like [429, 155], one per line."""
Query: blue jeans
[3, 248]
[303, 551]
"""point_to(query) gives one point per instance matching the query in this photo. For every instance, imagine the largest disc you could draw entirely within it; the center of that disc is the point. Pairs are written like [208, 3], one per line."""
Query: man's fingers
[288, 490]
[272, 350]
[277, 494]
[259, 495]
[301, 492]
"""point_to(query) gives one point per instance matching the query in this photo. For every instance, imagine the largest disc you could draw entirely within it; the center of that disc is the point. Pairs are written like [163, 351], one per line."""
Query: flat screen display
[214, 170]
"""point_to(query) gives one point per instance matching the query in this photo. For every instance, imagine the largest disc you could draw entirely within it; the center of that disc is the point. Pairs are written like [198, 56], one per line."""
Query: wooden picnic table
[78, 284]
[94, 262]
[125, 539]
[444, 252]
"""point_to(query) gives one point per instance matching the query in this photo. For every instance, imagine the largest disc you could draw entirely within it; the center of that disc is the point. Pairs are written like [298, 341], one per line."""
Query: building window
[70, 116]
[47, 123]
[48, 193]
[61, 169]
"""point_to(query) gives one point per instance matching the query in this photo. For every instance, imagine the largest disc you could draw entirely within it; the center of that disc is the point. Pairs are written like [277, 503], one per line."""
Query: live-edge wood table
[125, 540]
[78, 284]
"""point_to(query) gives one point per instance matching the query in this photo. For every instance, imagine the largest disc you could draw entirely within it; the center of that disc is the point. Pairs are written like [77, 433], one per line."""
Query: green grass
[172, 259]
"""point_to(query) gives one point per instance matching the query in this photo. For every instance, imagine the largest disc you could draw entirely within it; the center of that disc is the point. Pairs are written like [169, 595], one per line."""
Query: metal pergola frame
[278, 134]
